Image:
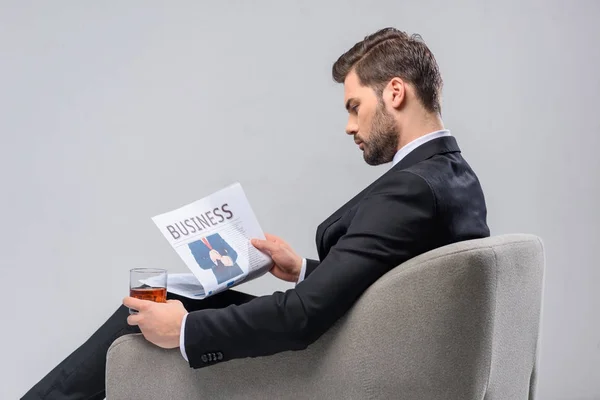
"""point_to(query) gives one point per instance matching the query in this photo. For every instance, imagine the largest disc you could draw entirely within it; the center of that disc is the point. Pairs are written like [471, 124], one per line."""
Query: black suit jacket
[429, 199]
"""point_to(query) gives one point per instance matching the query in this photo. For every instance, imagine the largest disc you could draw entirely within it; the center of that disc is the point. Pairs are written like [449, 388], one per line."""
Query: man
[430, 197]
[214, 253]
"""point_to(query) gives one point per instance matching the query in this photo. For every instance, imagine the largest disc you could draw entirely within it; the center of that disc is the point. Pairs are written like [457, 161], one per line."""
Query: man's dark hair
[390, 53]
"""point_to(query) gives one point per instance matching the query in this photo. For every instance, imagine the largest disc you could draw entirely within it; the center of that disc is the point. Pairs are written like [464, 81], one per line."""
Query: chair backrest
[459, 322]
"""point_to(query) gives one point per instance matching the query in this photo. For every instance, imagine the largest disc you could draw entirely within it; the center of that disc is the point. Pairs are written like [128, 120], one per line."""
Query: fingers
[264, 245]
[137, 304]
[272, 238]
[134, 319]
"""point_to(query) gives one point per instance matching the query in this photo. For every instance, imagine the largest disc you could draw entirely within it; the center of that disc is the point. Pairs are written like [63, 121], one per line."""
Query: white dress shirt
[400, 154]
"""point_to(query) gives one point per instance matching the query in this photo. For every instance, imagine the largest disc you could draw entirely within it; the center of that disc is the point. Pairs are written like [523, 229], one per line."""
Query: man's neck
[422, 126]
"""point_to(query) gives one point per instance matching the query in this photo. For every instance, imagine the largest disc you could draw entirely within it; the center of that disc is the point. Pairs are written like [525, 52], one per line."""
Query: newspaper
[212, 237]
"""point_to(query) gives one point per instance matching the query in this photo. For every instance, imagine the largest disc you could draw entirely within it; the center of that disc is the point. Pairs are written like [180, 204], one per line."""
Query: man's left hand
[160, 323]
[227, 261]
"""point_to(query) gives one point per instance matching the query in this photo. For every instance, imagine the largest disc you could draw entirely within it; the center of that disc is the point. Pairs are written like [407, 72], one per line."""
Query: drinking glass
[148, 284]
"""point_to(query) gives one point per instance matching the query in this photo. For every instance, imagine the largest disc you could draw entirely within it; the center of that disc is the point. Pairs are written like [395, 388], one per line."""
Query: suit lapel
[446, 144]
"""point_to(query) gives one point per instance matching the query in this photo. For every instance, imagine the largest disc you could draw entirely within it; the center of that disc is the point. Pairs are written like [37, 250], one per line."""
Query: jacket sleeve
[393, 222]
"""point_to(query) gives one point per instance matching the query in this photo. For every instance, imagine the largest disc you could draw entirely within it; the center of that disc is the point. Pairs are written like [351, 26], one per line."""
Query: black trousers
[81, 376]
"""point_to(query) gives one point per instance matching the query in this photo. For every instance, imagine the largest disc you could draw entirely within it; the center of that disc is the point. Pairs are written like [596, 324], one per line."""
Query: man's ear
[397, 92]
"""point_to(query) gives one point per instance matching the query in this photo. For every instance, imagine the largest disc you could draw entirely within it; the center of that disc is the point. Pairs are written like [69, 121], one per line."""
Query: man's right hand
[287, 264]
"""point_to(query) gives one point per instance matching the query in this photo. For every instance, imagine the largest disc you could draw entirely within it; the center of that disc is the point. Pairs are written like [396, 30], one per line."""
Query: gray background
[112, 113]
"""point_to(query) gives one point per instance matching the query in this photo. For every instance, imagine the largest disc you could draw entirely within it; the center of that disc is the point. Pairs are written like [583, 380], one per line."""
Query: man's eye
[355, 109]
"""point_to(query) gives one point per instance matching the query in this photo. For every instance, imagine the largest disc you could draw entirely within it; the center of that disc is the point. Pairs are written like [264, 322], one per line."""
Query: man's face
[373, 127]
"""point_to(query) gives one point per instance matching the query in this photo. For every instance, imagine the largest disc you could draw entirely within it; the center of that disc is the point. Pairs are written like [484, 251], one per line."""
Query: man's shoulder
[441, 169]
[435, 175]
[451, 179]
[400, 181]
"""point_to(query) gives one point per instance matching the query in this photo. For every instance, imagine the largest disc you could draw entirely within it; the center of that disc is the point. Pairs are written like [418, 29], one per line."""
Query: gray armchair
[459, 322]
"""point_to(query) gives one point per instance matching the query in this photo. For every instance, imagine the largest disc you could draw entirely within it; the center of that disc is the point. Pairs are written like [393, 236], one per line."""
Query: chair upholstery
[459, 322]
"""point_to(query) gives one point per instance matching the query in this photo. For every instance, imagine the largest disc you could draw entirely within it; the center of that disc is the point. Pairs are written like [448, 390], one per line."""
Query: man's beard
[383, 139]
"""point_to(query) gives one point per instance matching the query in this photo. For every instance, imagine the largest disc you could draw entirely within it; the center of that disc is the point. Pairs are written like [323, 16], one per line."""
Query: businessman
[214, 253]
[429, 197]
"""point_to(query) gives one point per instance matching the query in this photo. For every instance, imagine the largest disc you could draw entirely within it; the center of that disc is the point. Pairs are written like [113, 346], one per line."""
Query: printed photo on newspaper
[212, 237]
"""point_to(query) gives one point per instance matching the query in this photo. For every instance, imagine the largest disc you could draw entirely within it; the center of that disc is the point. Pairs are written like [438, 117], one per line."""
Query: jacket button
[204, 358]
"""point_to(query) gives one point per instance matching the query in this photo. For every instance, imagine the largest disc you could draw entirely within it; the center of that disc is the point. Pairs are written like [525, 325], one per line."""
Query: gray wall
[108, 111]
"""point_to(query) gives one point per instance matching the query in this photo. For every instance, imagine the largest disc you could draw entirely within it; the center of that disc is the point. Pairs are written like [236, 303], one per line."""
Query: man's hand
[227, 261]
[160, 323]
[214, 255]
[287, 264]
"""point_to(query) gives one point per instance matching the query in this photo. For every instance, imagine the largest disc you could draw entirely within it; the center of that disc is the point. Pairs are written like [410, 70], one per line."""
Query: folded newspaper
[212, 236]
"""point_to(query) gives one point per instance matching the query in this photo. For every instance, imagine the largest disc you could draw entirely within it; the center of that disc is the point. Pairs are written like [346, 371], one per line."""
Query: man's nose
[351, 127]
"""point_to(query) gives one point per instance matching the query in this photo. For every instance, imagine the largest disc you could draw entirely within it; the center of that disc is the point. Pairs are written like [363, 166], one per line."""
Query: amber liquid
[158, 295]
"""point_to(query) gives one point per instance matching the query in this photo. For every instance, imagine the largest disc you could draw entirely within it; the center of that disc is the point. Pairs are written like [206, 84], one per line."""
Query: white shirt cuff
[302, 271]
[182, 339]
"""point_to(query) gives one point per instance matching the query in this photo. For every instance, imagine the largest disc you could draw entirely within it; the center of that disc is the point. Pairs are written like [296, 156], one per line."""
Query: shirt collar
[404, 151]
